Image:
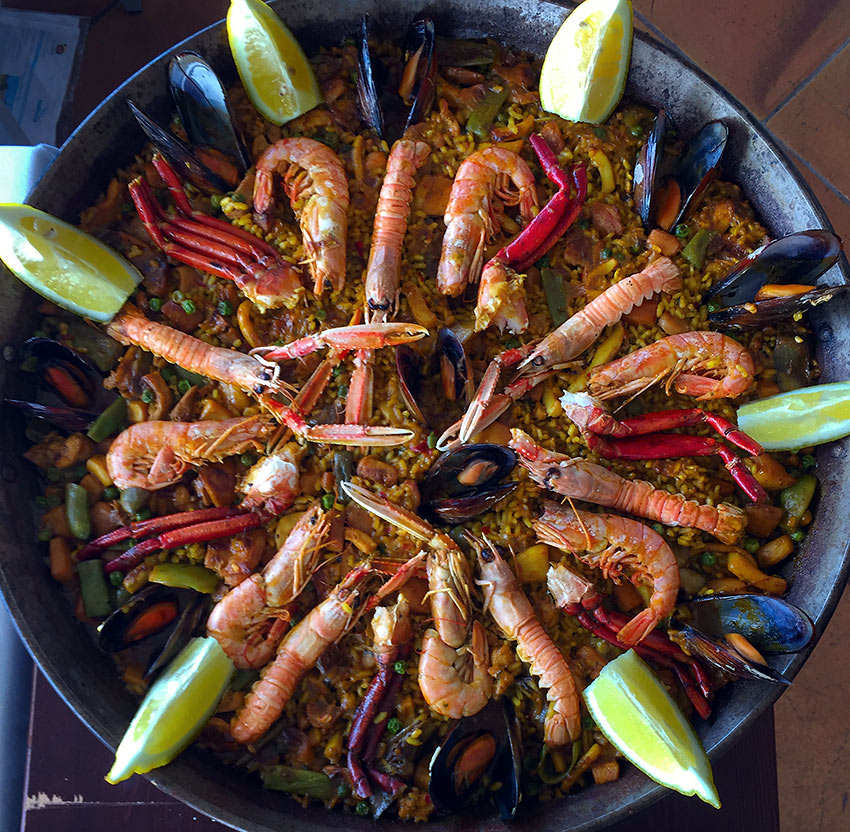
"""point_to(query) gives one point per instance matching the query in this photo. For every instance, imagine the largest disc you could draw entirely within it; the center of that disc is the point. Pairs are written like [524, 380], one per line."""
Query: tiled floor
[789, 63]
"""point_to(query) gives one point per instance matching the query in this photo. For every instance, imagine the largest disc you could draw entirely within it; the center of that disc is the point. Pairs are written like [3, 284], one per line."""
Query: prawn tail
[639, 627]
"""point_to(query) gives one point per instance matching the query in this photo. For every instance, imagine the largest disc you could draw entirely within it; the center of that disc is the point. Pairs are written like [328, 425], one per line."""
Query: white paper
[37, 53]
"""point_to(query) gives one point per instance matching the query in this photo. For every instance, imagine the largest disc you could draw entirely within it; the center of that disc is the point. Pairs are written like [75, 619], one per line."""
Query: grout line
[800, 161]
[657, 32]
[807, 80]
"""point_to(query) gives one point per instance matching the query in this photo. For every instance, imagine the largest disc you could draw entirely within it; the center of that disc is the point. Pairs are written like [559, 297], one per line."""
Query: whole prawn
[299, 651]
[251, 619]
[384, 269]
[228, 366]
[512, 611]
[153, 455]
[579, 331]
[472, 214]
[583, 480]
[708, 365]
[613, 543]
[315, 182]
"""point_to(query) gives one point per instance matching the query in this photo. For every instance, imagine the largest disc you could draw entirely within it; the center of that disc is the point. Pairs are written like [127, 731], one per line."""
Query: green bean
[93, 587]
[77, 509]
[694, 252]
[299, 781]
[185, 576]
[553, 286]
[795, 500]
[110, 421]
[485, 111]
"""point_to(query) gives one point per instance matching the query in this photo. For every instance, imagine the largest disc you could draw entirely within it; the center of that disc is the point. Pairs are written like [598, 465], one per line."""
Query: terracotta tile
[816, 122]
[813, 735]
[760, 50]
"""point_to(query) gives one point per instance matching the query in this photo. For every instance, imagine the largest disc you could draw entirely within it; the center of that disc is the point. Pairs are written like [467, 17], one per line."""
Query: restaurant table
[64, 790]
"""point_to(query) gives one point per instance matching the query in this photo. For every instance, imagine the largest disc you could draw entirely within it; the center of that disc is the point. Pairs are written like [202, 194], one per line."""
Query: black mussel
[646, 169]
[796, 258]
[466, 482]
[716, 624]
[418, 81]
[770, 624]
[387, 110]
[480, 751]
[460, 509]
[455, 369]
[470, 467]
[64, 371]
[408, 363]
[749, 315]
[204, 111]
[180, 155]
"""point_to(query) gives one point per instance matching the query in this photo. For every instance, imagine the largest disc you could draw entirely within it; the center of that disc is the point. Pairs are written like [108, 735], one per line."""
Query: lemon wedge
[274, 69]
[63, 264]
[635, 712]
[584, 73]
[799, 418]
[174, 710]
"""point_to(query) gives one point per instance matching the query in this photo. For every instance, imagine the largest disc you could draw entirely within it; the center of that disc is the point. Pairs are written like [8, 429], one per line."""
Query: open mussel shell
[750, 315]
[646, 169]
[389, 112]
[202, 104]
[479, 750]
[179, 154]
[157, 614]
[796, 258]
[408, 362]
[770, 624]
[67, 418]
[460, 509]
[456, 376]
[468, 468]
[698, 164]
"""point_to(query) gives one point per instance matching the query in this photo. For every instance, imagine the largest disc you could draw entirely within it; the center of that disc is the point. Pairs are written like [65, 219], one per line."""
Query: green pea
[116, 578]
[682, 231]
[400, 666]
[342, 391]
[111, 493]
[712, 306]
[225, 308]
[807, 461]
[177, 296]
[321, 314]
[708, 558]
[148, 396]
[40, 503]
[143, 514]
[247, 459]
[362, 808]
[337, 370]
[751, 545]
[658, 527]
[44, 535]
[53, 475]
[327, 501]
[599, 132]
[511, 343]
[183, 386]
[394, 725]
[155, 304]
[188, 306]
[585, 223]
[636, 131]
[798, 535]
[605, 254]
[637, 248]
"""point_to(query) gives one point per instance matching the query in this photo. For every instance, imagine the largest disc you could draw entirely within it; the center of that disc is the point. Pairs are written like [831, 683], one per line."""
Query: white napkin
[21, 168]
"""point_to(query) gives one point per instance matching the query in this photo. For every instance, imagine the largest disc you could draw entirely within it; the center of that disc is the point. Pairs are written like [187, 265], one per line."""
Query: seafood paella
[423, 413]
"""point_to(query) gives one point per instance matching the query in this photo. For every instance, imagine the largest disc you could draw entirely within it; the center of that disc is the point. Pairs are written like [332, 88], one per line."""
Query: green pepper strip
[548, 776]
[194, 379]
[694, 252]
[553, 286]
[93, 587]
[485, 111]
[795, 500]
[185, 576]
[110, 421]
[77, 509]
[299, 781]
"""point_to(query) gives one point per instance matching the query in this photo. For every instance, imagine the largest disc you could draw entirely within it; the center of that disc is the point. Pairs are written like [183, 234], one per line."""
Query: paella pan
[484, 530]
